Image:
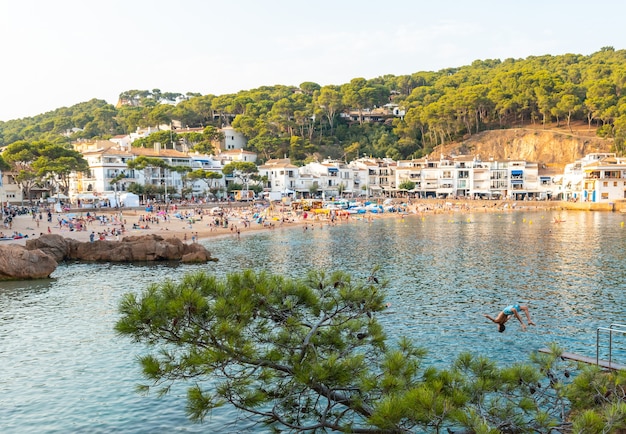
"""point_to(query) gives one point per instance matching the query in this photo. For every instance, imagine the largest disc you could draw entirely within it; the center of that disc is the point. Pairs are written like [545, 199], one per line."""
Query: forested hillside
[432, 109]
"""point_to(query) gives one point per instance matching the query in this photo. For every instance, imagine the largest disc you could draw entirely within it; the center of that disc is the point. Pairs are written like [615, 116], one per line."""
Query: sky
[63, 52]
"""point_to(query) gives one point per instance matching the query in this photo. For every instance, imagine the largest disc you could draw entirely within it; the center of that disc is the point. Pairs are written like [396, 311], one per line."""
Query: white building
[574, 174]
[232, 140]
[207, 163]
[470, 177]
[374, 176]
[334, 179]
[281, 176]
[108, 160]
[237, 155]
[9, 190]
[604, 180]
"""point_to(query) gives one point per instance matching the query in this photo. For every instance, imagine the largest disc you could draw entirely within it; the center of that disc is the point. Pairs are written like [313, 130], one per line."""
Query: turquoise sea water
[62, 368]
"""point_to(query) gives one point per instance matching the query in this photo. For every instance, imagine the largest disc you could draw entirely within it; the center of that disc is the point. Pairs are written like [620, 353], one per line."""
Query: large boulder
[130, 249]
[19, 263]
[54, 245]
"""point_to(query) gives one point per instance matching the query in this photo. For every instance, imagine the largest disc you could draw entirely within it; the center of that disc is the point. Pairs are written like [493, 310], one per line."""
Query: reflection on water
[65, 370]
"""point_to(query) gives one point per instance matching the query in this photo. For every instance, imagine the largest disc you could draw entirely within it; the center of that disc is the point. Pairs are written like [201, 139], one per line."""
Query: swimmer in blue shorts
[507, 313]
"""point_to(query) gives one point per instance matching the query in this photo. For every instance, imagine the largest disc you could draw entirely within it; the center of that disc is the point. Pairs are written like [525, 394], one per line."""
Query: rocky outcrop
[129, 249]
[554, 147]
[19, 263]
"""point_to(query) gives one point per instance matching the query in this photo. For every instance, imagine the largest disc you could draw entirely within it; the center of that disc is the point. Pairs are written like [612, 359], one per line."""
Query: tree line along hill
[548, 109]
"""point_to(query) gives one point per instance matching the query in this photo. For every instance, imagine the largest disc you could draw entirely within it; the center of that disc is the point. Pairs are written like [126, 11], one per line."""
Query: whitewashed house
[9, 190]
[374, 176]
[208, 163]
[604, 180]
[237, 155]
[232, 140]
[409, 171]
[107, 160]
[334, 178]
[281, 176]
[573, 174]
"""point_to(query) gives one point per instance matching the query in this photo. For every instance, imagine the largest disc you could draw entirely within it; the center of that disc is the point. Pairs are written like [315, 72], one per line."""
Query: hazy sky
[62, 52]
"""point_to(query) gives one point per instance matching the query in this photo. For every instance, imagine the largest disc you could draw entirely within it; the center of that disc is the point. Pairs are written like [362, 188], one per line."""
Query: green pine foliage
[308, 355]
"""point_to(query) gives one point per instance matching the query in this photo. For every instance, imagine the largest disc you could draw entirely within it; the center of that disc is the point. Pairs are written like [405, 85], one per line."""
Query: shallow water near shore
[65, 370]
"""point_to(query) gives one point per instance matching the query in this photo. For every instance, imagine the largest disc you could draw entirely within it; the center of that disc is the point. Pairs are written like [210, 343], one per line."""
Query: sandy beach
[188, 223]
[194, 223]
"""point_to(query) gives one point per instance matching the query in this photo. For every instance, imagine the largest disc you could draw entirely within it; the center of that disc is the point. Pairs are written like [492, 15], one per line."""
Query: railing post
[618, 328]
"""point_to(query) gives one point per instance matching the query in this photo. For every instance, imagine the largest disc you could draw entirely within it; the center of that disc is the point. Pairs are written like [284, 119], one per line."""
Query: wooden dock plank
[585, 359]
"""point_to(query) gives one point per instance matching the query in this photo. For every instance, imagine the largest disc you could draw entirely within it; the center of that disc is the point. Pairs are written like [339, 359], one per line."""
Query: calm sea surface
[63, 369]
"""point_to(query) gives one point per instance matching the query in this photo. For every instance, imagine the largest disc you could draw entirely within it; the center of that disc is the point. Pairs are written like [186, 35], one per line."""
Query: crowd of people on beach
[193, 221]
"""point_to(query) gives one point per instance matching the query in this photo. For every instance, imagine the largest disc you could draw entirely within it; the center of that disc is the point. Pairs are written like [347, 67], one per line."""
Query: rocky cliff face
[550, 147]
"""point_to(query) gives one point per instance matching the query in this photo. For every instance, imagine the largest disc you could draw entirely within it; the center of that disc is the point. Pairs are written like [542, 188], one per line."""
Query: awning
[517, 173]
[333, 170]
[516, 182]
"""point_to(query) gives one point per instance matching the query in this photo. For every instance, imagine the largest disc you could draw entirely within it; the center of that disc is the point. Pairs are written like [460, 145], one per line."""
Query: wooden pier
[588, 360]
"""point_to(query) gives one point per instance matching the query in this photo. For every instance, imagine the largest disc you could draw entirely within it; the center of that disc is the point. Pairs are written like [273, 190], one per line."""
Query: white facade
[465, 176]
[574, 173]
[207, 163]
[9, 190]
[597, 177]
[334, 178]
[281, 176]
[106, 160]
[374, 176]
[604, 180]
[232, 139]
[237, 155]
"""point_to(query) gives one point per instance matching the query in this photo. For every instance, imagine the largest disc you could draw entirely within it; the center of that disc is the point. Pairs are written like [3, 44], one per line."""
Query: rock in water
[19, 263]
[54, 245]
[130, 249]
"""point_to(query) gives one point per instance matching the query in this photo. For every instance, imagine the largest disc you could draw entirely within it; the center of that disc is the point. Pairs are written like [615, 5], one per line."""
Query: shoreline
[198, 224]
